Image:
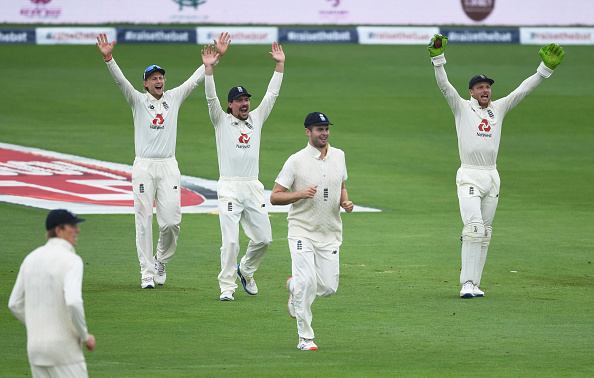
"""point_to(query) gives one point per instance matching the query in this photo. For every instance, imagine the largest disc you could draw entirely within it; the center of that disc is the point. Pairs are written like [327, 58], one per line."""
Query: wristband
[110, 57]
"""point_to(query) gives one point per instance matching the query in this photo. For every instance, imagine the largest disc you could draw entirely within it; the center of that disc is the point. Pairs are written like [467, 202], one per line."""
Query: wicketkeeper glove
[435, 51]
[551, 55]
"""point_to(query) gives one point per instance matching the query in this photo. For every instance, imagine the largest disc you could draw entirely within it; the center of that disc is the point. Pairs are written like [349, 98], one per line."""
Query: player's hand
[210, 58]
[277, 53]
[90, 343]
[308, 192]
[434, 50]
[551, 55]
[223, 43]
[347, 206]
[104, 46]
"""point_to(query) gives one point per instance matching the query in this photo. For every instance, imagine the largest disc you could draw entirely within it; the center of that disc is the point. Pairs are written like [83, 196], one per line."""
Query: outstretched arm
[279, 56]
[105, 47]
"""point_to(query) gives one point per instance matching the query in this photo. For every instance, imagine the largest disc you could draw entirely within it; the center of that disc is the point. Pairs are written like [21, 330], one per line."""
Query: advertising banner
[239, 35]
[303, 12]
[154, 35]
[378, 35]
[72, 35]
[17, 36]
[317, 35]
[481, 35]
[561, 36]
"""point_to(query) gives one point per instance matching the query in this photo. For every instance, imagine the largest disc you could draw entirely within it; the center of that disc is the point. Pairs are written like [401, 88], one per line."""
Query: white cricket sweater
[316, 218]
[238, 142]
[478, 129]
[155, 121]
[47, 298]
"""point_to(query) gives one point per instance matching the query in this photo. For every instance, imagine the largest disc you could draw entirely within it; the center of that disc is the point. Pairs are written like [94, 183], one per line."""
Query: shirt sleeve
[127, 89]
[508, 102]
[286, 177]
[272, 93]
[73, 298]
[447, 89]
[183, 91]
[16, 302]
[214, 106]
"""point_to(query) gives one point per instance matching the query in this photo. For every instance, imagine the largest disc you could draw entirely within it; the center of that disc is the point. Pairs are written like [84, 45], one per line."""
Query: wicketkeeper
[478, 125]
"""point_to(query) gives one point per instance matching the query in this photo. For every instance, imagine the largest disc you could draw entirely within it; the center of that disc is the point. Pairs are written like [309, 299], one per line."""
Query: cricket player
[155, 173]
[315, 175]
[47, 299]
[240, 194]
[478, 125]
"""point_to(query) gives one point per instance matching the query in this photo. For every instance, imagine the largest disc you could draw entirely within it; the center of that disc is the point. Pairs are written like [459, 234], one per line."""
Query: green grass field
[397, 310]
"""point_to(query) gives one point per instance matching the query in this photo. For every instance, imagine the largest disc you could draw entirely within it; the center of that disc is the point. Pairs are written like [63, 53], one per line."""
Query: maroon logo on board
[478, 10]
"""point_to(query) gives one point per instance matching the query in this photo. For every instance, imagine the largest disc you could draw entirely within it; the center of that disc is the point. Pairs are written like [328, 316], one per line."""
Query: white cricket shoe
[476, 292]
[467, 290]
[227, 295]
[147, 283]
[249, 285]
[306, 344]
[290, 302]
[160, 273]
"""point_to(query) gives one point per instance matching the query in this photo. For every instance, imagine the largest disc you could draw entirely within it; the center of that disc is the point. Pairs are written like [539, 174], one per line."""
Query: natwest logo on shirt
[244, 141]
[484, 126]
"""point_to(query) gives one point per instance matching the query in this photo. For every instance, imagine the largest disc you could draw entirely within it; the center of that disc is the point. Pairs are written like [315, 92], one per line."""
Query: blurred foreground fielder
[478, 125]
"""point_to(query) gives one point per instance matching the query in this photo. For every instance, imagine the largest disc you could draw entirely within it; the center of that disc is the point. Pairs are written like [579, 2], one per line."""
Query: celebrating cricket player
[240, 193]
[478, 125]
[155, 174]
[315, 176]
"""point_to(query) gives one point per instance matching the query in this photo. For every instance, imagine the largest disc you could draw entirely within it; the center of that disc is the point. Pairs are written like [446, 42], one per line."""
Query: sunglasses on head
[152, 67]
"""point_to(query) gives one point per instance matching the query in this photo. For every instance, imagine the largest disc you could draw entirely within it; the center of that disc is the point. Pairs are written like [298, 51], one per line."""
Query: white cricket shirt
[238, 142]
[478, 129]
[47, 298]
[316, 218]
[155, 121]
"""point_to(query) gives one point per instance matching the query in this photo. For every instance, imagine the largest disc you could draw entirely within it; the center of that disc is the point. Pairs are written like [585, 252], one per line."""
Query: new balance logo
[325, 194]
[230, 206]
[299, 245]
[334, 252]
[471, 190]
[141, 188]
[490, 113]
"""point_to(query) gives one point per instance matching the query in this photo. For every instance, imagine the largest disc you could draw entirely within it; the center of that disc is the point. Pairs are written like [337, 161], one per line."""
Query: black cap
[316, 118]
[237, 92]
[60, 216]
[478, 79]
[151, 69]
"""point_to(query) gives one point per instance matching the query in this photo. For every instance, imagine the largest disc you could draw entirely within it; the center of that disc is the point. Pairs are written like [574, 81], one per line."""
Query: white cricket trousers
[156, 181]
[74, 370]
[478, 196]
[241, 200]
[315, 268]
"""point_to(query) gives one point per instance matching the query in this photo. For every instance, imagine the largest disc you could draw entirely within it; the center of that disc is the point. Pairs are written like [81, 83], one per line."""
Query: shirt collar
[315, 153]
[475, 104]
[59, 242]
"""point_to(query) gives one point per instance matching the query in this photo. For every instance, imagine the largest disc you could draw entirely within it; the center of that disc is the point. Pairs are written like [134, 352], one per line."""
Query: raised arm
[105, 47]
[279, 56]
[209, 58]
